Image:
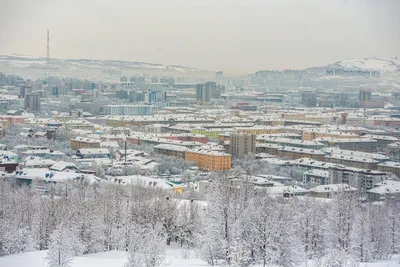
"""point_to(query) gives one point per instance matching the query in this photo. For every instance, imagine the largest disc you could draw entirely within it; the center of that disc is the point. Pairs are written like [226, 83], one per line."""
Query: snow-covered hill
[22, 64]
[368, 64]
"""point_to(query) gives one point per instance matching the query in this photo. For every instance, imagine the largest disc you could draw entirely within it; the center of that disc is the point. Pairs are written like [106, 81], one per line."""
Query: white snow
[369, 64]
[174, 257]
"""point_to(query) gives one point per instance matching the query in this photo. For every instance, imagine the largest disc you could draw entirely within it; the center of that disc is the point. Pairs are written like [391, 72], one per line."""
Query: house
[93, 153]
[8, 164]
[120, 153]
[63, 165]
[328, 191]
[40, 135]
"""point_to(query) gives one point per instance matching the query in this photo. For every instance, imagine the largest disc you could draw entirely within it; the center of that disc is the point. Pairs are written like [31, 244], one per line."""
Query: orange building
[210, 160]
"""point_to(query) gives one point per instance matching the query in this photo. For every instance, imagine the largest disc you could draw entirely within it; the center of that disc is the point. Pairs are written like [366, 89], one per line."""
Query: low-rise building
[328, 191]
[84, 142]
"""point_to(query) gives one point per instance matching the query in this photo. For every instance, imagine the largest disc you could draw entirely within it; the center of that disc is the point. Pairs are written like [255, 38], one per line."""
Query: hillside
[368, 64]
[88, 68]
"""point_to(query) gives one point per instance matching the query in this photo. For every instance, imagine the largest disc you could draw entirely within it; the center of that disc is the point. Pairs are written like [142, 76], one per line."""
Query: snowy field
[175, 257]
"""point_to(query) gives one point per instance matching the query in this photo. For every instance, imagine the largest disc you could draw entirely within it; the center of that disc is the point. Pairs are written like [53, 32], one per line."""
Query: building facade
[242, 144]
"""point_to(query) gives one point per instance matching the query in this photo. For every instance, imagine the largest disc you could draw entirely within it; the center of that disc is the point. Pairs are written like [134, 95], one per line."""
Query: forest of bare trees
[235, 225]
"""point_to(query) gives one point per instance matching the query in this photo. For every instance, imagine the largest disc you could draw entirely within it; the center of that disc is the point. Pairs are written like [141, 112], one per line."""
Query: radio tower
[48, 48]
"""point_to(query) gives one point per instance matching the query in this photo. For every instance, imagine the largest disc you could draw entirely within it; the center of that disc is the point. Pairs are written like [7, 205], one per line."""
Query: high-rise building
[309, 98]
[204, 92]
[242, 144]
[32, 101]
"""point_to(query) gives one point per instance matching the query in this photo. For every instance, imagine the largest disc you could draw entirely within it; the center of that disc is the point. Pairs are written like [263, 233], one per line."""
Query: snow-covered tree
[64, 245]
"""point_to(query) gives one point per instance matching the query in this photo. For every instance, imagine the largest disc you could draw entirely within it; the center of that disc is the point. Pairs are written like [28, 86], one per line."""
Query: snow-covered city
[199, 133]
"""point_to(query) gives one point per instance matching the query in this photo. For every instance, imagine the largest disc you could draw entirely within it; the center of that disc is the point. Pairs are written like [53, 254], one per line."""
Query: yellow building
[213, 133]
[294, 116]
[260, 130]
[210, 160]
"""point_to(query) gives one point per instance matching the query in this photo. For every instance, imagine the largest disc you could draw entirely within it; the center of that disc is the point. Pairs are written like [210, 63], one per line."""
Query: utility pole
[48, 48]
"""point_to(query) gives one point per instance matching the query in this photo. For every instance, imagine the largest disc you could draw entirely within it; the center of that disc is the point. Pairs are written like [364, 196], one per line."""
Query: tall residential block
[242, 144]
[32, 101]
[205, 92]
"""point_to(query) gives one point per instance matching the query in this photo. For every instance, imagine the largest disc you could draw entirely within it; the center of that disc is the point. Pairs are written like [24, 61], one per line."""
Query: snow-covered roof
[89, 151]
[317, 173]
[32, 162]
[386, 187]
[335, 150]
[282, 189]
[351, 158]
[390, 164]
[146, 180]
[53, 176]
[333, 188]
[62, 165]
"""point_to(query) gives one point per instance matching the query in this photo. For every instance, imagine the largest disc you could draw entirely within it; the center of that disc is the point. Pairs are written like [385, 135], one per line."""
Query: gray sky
[229, 35]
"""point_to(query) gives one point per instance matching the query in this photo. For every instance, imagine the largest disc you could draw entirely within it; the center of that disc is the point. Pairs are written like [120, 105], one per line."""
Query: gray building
[32, 101]
[205, 92]
[242, 144]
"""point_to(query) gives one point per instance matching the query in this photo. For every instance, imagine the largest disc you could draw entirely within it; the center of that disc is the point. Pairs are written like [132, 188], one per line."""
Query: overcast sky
[229, 35]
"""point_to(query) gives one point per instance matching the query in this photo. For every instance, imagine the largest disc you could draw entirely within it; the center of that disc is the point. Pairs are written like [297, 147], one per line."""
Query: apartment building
[314, 133]
[393, 151]
[353, 161]
[130, 109]
[337, 151]
[361, 179]
[283, 141]
[390, 166]
[297, 153]
[210, 160]
[357, 144]
[383, 140]
[242, 144]
[84, 142]
[171, 150]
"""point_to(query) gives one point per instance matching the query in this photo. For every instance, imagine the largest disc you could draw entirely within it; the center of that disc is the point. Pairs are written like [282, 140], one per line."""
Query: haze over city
[234, 36]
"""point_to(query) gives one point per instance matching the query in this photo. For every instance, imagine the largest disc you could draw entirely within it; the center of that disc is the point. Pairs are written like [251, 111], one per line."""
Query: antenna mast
[48, 48]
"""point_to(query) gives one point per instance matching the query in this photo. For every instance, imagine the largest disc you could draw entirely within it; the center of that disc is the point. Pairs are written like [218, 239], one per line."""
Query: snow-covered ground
[175, 256]
[369, 64]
